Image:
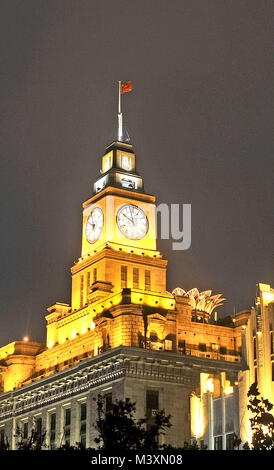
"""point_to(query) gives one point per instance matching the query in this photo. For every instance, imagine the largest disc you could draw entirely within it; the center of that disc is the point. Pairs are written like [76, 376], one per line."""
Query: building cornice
[111, 365]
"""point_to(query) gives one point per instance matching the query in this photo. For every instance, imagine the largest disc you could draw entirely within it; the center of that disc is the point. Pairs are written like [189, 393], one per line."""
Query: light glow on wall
[210, 385]
[268, 296]
[196, 417]
[73, 334]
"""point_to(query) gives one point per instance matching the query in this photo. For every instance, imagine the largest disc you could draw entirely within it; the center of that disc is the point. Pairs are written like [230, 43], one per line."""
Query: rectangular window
[271, 342]
[218, 443]
[223, 350]
[88, 282]
[126, 162]
[52, 430]
[229, 441]
[107, 163]
[135, 278]
[152, 402]
[25, 430]
[202, 347]
[2, 437]
[229, 414]
[81, 291]
[94, 274]
[67, 417]
[254, 348]
[67, 425]
[108, 401]
[152, 405]
[38, 427]
[217, 417]
[147, 280]
[255, 375]
[168, 345]
[123, 277]
[83, 424]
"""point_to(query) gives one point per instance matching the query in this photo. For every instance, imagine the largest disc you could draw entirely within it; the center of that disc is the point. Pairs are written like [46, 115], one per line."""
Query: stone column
[74, 422]
[91, 418]
[89, 421]
[59, 439]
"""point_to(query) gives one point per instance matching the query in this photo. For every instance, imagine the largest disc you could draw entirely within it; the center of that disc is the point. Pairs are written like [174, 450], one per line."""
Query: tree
[33, 442]
[118, 428]
[262, 421]
[4, 444]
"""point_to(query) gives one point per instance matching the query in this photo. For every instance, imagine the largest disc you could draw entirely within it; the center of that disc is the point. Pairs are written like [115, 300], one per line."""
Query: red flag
[126, 86]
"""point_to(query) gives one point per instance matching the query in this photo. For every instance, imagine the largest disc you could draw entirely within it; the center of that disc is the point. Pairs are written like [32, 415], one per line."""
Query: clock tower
[119, 232]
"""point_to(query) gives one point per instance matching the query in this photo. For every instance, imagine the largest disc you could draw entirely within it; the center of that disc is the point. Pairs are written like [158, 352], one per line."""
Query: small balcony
[221, 354]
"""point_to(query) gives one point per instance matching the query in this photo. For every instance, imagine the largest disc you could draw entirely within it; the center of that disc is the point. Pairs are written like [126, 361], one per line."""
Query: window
[147, 280]
[38, 427]
[123, 276]
[2, 437]
[271, 342]
[229, 441]
[107, 163]
[81, 291]
[25, 430]
[254, 348]
[135, 278]
[67, 425]
[153, 337]
[108, 401]
[83, 425]
[152, 405]
[152, 402]
[229, 414]
[223, 350]
[218, 443]
[255, 375]
[94, 274]
[88, 282]
[202, 347]
[52, 430]
[126, 162]
[182, 346]
[217, 416]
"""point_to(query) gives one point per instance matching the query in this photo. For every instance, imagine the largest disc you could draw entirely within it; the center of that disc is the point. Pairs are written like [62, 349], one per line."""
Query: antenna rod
[120, 115]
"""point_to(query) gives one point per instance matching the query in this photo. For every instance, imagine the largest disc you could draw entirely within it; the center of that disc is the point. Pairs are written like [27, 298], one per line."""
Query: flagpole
[120, 115]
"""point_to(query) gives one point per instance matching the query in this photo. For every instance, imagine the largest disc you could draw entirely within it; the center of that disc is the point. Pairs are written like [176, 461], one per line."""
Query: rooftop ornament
[201, 301]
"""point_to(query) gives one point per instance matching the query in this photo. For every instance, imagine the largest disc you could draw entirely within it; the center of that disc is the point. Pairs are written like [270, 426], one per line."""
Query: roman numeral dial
[94, 225]
[132, 222]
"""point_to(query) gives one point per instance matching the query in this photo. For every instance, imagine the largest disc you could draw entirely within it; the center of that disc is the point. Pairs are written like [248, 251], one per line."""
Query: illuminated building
[124, 335]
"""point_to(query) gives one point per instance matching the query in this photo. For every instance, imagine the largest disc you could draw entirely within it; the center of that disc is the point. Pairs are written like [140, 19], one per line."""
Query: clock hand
[132, 216]
[129, 218]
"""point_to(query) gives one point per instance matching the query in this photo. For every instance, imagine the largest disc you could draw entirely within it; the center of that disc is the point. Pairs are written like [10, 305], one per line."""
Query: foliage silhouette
[117, 427]
[35, 441]
[262, 421]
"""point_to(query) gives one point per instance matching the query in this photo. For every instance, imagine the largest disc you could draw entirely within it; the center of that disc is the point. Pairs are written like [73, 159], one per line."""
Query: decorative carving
[201, 301]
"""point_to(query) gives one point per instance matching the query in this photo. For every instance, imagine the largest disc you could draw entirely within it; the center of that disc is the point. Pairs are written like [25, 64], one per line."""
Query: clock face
[132, 222]
[94, 225]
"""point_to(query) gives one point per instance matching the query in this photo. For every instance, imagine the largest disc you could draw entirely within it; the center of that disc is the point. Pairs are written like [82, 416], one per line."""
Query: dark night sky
[199, 118]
